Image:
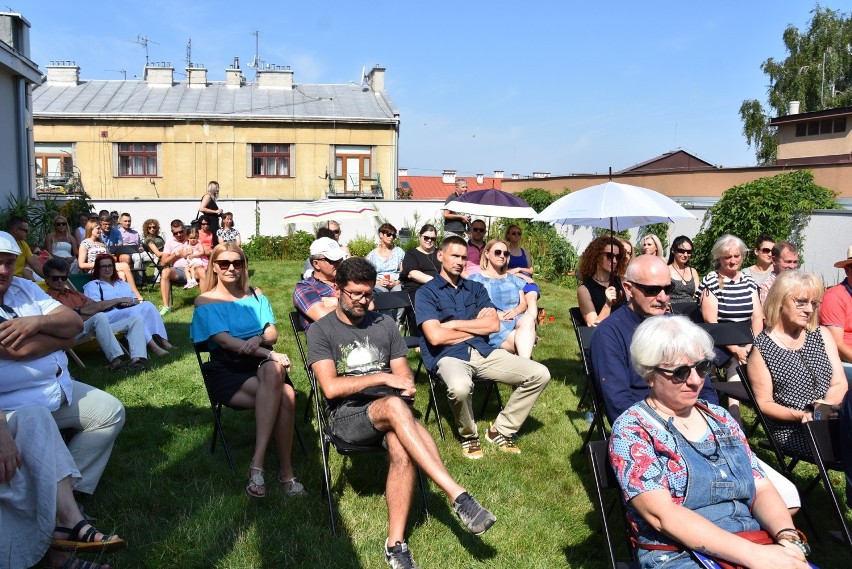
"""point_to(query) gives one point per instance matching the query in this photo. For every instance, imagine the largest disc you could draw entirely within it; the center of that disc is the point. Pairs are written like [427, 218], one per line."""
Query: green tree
[817, 72]
[779, 206]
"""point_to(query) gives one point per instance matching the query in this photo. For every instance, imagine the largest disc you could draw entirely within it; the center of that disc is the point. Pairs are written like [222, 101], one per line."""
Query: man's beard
[351, 314]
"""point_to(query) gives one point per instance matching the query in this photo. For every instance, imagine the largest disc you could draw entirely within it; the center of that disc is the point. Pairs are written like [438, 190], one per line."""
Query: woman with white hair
[795, 361]
[727, 295]
[651, 245]
[690, 480]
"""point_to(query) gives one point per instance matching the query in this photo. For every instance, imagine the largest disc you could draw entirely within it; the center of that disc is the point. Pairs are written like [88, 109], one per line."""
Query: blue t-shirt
[243, 318]
[441, 301]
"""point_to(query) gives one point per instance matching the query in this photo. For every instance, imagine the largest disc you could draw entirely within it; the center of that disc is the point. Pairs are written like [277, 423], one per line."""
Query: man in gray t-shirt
[456, 223]
[353, 351]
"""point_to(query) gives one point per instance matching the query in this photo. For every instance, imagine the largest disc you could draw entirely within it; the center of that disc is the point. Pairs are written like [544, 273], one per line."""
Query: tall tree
[817, 72]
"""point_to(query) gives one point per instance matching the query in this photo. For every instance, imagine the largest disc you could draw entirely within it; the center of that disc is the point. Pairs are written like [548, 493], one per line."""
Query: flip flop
[86, 542]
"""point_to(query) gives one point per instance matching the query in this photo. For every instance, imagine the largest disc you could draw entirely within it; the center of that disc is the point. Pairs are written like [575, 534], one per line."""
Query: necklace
[776, 335]
[603, 283]
[713, 456]
[681, 273]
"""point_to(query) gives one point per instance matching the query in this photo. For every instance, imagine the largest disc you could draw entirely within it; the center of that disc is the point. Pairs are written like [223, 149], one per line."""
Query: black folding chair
[741, 391]
[301, 343]
[327, 440]
[216, 406]
[604, 478]
[592, 389]
[399, 300]
[823, 438]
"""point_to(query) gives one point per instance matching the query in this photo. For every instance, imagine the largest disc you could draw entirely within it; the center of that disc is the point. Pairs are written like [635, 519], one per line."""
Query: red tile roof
[434, 188]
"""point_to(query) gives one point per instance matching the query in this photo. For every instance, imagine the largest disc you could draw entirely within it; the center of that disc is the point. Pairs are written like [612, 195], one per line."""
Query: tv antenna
[122, 71]
[256, 63]
[189, 53]
[144, 41]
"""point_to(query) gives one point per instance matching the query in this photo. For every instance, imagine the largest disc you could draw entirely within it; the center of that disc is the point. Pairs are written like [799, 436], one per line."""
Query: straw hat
[848, 261]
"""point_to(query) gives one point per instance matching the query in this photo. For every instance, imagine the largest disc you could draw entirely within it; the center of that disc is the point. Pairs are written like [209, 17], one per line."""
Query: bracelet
[796, 537]
[269, 356]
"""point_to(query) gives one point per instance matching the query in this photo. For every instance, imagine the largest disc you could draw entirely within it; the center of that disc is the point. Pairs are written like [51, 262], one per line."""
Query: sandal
[85, 541]
[292, 487]
[119, 365]
[256, 487]
[77, 563]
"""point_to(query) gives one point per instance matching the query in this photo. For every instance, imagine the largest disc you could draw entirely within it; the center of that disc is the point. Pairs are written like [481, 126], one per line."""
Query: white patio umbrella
[327, 210]
[615, 206]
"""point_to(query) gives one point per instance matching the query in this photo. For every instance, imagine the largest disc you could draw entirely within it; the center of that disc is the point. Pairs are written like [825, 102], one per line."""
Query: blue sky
[552, 86]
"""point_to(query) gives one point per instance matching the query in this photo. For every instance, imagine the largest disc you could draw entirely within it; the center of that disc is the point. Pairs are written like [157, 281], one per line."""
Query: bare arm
[419, 276]
[82, 262]
[843, 349]
[838, 387]
[699, 534]
[710, 307]
[761, 382]
[327, 305]
[36, 346]
[61, 322]
[205, 201]
[340, 386]
[519, 309]
[34, 264]
[756, 315]
[587, 307]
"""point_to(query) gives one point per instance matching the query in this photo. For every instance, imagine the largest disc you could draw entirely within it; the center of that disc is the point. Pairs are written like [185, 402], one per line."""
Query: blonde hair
[483, 260]
[657, 243]
[211, 279]
[790, 284]
[92, 223]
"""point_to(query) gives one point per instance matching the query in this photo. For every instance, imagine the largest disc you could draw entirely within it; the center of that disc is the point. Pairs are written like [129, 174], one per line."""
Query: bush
[293, 247]
[779, 206]
[360, 245]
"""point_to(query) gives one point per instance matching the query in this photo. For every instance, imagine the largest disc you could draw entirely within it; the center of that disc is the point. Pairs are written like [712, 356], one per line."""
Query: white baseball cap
[327, 247]
[8, 244]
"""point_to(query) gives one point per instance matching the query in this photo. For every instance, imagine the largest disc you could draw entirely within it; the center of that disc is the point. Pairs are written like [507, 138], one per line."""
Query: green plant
[779, 206]
[39, 213]
[293, 247]
[360, 245]
[661, 230]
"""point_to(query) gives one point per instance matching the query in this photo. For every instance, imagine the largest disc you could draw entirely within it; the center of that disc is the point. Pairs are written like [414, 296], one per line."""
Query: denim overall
[720, 490]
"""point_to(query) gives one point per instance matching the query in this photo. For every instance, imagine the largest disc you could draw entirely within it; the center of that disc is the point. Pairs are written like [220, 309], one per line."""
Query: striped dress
[735, 296]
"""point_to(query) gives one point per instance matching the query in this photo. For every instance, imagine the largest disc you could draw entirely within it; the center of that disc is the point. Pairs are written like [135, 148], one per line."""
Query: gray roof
[115, 99]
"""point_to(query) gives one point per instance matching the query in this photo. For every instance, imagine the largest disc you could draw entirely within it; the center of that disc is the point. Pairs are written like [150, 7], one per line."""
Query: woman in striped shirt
[727, 295]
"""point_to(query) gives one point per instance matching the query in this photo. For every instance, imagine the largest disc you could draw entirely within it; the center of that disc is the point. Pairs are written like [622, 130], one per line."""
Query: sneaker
[504, 443]
[190, 284]
[165, 310]
[471, 513]
[471, 448]
[399, 556]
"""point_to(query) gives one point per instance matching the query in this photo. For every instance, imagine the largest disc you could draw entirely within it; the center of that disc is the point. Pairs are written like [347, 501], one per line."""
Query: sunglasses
[60, 278]
[106, 266]
[653, 290]
[60, 224]
[329, 261]
[681, 373]
[181, 232]
[766, 250]
[518, 233]
[611, 256]
[803, 302]
[336, 231]
[202, 224]
[224, 264]
[389, 234]
[478, 229]
[427, 238]
[358, 296]
[683, 251]
[500, 252]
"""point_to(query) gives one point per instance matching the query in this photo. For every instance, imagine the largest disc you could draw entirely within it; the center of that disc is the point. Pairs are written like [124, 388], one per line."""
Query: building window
[270, 161]
[137, 159]
[54, 165]
[353, 165]
[825, 126]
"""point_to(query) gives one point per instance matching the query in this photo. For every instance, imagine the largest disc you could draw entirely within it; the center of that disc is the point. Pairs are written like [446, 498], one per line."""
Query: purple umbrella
[492, 203]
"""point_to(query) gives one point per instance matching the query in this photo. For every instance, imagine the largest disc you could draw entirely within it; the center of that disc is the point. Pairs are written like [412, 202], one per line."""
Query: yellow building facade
[155, 138]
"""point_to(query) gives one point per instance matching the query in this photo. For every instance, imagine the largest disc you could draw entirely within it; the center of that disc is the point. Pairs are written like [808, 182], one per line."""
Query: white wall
[827, 237]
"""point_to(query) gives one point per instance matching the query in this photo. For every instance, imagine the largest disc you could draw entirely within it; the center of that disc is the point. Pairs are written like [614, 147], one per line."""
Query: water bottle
[590, 417]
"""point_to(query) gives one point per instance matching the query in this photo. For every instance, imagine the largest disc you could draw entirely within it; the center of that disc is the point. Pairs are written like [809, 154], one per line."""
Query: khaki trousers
[529, 377]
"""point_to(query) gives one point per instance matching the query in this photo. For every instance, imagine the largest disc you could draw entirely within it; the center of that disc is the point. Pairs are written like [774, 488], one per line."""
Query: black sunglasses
[611, 256]
[389, 234]
[500, 252]
[766, 250]
[223, 264]
[427, 238]
[654, 290]
[478, 229]
[181, 232]
[60, 278]
[683, 251]
[60, 224]
[681, 373]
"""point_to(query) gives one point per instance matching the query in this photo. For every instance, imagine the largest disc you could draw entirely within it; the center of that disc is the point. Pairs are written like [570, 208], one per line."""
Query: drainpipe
[22, 139]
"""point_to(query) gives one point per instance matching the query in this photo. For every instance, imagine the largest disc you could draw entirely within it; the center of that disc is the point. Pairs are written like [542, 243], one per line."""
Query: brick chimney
[63, 73]
[376, 78]
[196, 76]
[275, 76]
[448, 176]
[159, 74]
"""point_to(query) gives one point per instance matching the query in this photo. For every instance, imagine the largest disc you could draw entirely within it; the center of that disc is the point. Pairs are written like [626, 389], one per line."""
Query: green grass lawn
[180, 506]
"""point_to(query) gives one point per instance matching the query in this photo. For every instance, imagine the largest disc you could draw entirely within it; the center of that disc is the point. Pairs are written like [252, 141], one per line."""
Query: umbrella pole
[612, 236]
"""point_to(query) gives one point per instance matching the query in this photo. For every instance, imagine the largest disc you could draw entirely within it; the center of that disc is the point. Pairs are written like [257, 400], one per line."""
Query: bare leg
[126, 275]
[532, 304]
[525, 335]
[392, 415]
[263, 393]
[166, 277]
[284, 431]
[399, 487]
[155, 348]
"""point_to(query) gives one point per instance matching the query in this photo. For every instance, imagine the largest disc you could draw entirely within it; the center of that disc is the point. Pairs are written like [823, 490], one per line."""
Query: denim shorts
[350, 421]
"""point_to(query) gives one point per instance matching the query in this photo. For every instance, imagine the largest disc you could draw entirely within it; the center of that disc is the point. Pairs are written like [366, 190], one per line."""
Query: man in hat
[836, 314]
[34, 331]
[316, 295]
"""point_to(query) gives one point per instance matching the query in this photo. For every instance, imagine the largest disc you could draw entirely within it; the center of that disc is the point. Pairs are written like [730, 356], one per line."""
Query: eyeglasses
[389, 234]
[500, 252]
[106, 266]
[224, 264]
[329, 261]
[61, 224]
[683, 251]
[427, 238]
[611, 256]
[518, 233]
[181, 232]
[681, 373]
[477, 229]
[336, 231]
[204, 224]
[766, 250]
[358, 296]
[803, 302]
[653, 290]
[59, 278]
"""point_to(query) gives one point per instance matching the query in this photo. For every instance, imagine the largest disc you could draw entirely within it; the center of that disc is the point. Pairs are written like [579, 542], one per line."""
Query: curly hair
[589, 258]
